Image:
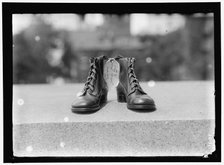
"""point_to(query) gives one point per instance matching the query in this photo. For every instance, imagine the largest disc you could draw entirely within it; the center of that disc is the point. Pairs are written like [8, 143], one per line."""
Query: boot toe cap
[142, 103]
[83, 104]
[143, 100]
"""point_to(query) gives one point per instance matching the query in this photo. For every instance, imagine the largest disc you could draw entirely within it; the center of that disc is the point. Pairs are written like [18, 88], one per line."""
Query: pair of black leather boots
[94, 94]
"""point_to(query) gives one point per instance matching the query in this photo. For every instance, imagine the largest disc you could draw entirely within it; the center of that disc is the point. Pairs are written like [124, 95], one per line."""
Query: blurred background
[55, 48]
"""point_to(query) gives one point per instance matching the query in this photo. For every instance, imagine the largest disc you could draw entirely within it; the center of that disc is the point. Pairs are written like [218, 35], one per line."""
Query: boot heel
[120, 95]
[103, 98]
[121, 98]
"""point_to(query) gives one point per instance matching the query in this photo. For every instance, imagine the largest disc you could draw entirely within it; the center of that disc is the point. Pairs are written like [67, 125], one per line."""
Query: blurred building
[156, 24]
[113, 33]
[198, 35]
[166, 46]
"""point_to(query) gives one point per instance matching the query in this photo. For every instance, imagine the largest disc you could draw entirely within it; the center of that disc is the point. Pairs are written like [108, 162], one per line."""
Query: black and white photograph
[134, 83]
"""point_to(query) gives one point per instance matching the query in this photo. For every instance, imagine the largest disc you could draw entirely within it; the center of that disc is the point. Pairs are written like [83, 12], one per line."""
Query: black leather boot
[129, 90]
[94, 94]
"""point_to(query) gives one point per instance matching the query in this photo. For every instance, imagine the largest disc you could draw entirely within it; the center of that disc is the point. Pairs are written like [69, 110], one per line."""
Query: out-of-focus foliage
[42, 54]
[32, 53]
[186, 54]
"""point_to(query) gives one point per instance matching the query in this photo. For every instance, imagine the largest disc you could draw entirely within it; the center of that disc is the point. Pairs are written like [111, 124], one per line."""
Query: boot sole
[85, 110]
[142, 107]
[89, 110]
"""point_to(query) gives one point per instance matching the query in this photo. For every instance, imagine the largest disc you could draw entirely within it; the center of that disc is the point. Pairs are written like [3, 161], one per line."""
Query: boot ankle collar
[118, 57]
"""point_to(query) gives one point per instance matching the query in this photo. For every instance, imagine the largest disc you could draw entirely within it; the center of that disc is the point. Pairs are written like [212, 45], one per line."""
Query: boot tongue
[139, 92]
[89, 91]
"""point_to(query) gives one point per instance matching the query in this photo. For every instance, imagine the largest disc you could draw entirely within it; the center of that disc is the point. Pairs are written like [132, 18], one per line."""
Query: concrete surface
[183, 124]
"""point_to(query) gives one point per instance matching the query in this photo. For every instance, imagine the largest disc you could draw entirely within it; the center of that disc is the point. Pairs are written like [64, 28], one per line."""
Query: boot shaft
[99, 84]
[128, 80]
[124, 77]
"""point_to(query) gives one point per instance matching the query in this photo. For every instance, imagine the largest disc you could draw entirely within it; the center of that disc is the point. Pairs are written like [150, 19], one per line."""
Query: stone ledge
[182, 125]
[152, 138]
[174, 101]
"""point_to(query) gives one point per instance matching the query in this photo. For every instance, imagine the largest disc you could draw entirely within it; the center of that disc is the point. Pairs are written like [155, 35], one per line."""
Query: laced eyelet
[91, 76]
[131, 74]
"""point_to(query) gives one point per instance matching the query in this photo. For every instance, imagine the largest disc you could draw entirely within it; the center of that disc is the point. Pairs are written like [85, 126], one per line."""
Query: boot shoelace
[132, 77]
[91, 76]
